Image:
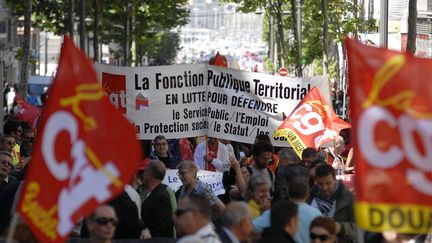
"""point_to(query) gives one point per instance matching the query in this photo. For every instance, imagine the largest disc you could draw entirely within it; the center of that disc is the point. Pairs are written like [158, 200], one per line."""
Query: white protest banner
[212, 179]
[248, 103]
[192, 100]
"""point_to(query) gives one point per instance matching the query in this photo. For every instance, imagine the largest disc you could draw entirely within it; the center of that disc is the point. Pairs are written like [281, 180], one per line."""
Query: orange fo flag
[85, 151]
[392, 138]
[312, 123]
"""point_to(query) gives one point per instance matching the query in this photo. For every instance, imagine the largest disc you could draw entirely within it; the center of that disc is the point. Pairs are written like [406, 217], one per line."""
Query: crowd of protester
[271, 195]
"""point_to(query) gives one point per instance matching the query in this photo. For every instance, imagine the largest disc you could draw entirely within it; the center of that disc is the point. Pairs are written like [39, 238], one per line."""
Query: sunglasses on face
[320, 237]
[29, 138]
[105, 221]
[179, 212]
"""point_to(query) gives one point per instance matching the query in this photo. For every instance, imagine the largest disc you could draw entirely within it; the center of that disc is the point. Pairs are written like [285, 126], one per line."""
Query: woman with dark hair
[235, 181]
[323, 229]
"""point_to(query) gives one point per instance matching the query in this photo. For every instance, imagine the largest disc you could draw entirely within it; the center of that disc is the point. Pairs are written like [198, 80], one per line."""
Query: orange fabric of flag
[392, 138]
[312, 123]
[85, 151]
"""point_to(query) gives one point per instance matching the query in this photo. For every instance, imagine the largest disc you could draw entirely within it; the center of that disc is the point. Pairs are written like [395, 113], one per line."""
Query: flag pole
[12, 228]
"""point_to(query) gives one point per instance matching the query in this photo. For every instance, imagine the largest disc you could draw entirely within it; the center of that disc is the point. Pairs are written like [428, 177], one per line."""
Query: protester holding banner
[212, 155]
[187, 171]
[235, 181]
[161, 152]
[333, 199]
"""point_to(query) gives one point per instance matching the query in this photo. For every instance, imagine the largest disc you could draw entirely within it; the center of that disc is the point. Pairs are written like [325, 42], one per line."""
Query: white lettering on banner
[85, 181]
[193, 100]
[310, 128]
[118, 99]
[212, 179]
[408, 126]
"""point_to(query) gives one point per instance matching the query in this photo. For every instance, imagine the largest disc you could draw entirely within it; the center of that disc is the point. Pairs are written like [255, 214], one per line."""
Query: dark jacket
[275, 235]
[284, 176]
[157, 213]
[344, 214]
[129, 225]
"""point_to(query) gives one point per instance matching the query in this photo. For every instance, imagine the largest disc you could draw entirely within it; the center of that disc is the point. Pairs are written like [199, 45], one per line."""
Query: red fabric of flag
[85, 151]
[219, 61]
[312, 123]
[27, 112]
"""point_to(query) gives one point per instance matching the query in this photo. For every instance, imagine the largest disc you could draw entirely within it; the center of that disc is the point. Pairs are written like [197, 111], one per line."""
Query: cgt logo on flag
[392, 138]
[72, 170]
[311, 124]
[114, 86]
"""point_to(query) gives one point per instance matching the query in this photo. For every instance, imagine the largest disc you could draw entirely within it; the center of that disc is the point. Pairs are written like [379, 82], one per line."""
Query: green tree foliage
[161, 53]
[151, 19]
[342, 21]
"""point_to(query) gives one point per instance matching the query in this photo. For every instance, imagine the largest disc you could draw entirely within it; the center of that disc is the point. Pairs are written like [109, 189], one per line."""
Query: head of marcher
[308, 155]
[298, 189]
[187, 171]
[153, 175]
[238, 219]
[287, 156]
[193, 212]
[102, 224]
[7, 142]
[161, 146]
[284, 215]
[323, 229]
[262, 154]
[13, 128]
[339, 145]
[325, 178]
[257, 190]
[5, 164]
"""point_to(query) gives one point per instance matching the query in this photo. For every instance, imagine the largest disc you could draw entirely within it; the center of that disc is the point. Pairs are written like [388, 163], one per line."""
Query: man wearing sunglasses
[193, 218]
[101, 224]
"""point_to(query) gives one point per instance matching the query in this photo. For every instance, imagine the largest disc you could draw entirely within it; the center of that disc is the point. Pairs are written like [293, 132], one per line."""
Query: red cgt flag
[85, 151]
[27, 112]
[392, 138]
[312, 123]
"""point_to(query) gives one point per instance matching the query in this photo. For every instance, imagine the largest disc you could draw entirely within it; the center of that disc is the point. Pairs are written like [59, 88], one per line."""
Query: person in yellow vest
[14, 128]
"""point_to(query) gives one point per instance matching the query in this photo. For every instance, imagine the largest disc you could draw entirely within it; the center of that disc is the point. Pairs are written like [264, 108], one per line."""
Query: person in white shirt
[192, 217]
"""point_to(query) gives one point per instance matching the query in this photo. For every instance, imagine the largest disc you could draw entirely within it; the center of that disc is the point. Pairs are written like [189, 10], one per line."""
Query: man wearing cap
[157, 208]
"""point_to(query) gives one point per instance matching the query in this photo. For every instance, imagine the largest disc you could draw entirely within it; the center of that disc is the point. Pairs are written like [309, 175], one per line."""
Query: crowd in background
[271, 194]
